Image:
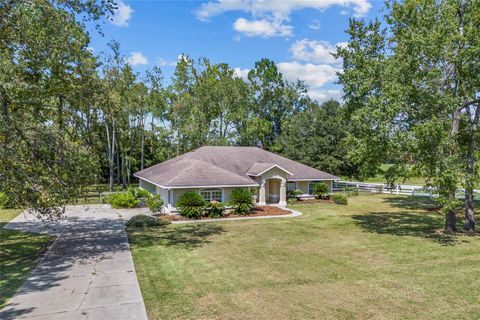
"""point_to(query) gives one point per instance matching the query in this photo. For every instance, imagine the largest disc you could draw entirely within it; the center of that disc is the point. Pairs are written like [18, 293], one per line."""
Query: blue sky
[297, 34]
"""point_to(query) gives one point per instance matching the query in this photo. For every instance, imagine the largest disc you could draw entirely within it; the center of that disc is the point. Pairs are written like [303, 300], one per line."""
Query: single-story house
[215, 171]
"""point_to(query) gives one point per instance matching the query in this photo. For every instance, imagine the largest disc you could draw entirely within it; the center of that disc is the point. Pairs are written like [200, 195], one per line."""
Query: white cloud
[165, 63]
[278, 9]
[241, 73]
[324, 95]
[122, 15]
[314, 75]
[315, 25]
[262, 28]
[270, 17]
[137, 58]
[315, 51]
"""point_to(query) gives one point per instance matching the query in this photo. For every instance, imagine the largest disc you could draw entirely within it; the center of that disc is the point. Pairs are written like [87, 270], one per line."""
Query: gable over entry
[273, 182]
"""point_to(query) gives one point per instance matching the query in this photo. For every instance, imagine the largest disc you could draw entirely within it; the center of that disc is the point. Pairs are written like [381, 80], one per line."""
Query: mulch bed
[312, 201]
[257, 211]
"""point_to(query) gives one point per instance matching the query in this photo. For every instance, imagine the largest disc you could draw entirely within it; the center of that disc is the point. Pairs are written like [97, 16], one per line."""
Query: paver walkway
[88, 272]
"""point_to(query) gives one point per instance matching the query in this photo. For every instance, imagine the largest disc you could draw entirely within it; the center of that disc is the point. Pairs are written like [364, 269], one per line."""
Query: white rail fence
[401, 189]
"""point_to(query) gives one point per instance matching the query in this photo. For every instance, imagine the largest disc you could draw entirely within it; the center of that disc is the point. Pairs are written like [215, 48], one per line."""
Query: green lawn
[19, 253]
[380, 257]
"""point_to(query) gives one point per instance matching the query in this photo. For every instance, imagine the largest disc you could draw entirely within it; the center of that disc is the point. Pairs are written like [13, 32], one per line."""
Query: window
[311, 185]
[211, 194]
[291, 186]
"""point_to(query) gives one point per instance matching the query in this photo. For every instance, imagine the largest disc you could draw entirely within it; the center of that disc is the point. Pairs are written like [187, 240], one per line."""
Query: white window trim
[211, 190]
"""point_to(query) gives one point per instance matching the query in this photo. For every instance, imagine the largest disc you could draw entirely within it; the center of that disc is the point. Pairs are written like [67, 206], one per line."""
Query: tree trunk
[119, 151]
[142, 145]
[124, 173]
[469, 209]
[450, 221]
[111, 152]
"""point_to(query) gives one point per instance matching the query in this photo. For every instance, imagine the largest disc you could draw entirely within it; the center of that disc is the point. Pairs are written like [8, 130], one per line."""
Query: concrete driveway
[88, 272]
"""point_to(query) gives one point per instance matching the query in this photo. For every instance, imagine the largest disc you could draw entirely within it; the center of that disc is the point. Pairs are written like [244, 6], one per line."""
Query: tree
[411, 91]
[45, 70]
[275, 100]
[316, 137]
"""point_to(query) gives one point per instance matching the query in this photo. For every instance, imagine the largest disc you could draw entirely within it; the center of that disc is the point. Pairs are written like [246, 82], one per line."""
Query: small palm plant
[319, 190]
[215, 209]
[191, 205]
[241, 200]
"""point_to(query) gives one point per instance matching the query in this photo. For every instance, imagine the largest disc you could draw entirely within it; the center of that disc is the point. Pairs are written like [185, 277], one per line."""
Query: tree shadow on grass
[19, 253]
[411, 203]
[186, 237]
[406, 224]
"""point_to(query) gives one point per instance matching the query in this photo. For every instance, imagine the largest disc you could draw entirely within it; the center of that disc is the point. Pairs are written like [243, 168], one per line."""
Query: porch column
[261, 194]
[283, 193]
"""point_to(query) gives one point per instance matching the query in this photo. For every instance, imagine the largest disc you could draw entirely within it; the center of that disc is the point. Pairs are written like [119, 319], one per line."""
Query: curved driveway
[87, 273]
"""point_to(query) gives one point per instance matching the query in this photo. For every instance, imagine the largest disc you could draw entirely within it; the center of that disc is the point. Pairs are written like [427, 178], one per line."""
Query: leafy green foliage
[123, 200]
[339, 198]
[241, 200]
[320, 189]
[294, 193]
[316, 136]
[191, 205]
[139, 193]
[142, 221]
[155, 203]
[411, 96]
[215, 209]
[3, 200]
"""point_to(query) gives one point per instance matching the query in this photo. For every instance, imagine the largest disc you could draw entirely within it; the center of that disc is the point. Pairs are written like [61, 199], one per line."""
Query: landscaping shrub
[139, 193]
[215, 209]
[3, 200]
[145, 221]
[155, 203]
[294, 193]
[123, 200]
[319, 190]
[241, 201]
[339, 198]
[191, 205]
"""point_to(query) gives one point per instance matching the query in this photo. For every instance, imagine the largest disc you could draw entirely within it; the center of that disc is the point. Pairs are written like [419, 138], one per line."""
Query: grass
[380, 257]
[19, 253]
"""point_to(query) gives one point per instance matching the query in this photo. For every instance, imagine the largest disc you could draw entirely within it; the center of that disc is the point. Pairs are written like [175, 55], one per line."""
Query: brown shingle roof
[260, 167]
[222, 166]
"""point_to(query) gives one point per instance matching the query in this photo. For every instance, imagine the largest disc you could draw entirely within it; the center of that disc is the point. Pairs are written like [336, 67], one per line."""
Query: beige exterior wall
[226, 192]
[147, 186]
[303, 185]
